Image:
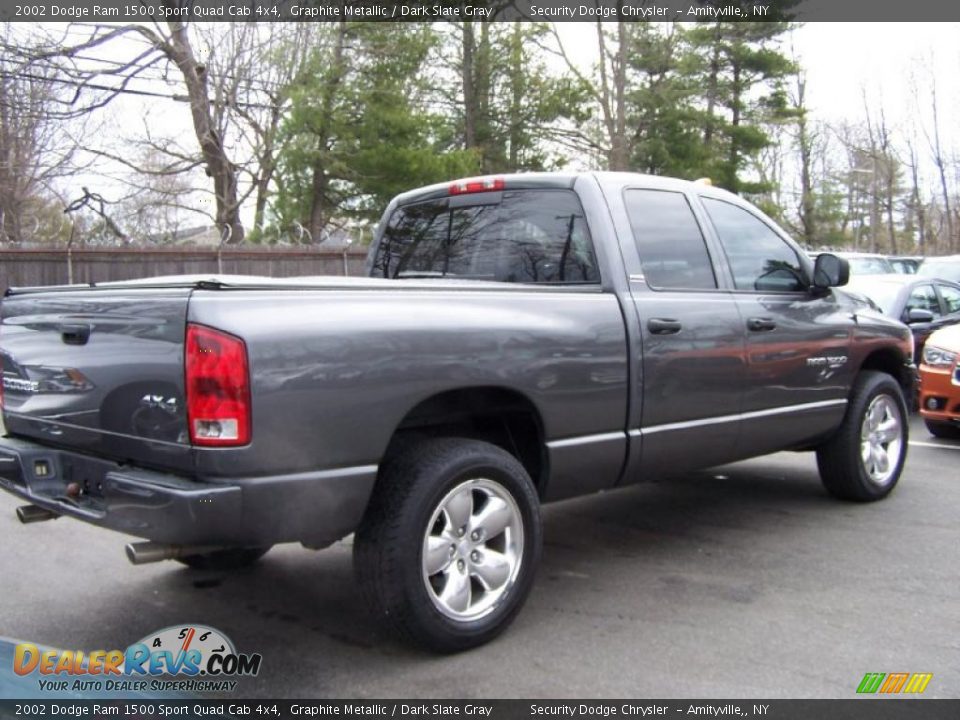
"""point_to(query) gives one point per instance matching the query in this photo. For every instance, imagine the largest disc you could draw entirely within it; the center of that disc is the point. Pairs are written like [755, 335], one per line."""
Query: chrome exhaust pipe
[34, 513]
[141, 553]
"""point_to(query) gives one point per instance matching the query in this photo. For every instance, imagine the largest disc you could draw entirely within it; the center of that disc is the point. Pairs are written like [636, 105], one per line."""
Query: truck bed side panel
[334, 373]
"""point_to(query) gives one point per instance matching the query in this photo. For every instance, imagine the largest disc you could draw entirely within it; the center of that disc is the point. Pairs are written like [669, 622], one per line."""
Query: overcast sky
[842, 58]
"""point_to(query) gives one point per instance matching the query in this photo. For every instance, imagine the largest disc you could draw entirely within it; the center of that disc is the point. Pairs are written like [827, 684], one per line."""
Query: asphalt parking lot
[745, 581]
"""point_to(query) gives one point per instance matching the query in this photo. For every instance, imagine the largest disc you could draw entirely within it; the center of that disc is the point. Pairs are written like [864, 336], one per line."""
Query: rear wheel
[229, 559]
[944, 430]
[864, 459]
[447, 550]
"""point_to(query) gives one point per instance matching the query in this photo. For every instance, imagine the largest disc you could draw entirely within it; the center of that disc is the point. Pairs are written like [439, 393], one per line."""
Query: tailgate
[98, 371]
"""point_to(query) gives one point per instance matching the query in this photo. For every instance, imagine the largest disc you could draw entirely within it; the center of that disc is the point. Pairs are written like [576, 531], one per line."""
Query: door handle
[761, 324]
[663, 326]
[75, 334]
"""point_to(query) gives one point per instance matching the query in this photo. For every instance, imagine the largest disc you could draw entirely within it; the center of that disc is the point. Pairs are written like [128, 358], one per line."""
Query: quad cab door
[689, 378]
[797, 341]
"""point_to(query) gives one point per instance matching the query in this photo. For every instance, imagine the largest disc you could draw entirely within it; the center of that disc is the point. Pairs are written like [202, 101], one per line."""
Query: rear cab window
[517, 236]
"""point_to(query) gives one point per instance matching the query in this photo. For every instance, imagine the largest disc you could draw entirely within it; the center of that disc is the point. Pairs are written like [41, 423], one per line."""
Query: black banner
[456, 10]
[865, 709]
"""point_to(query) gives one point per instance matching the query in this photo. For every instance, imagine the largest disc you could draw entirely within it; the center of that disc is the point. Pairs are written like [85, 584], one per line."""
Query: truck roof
[562, 179]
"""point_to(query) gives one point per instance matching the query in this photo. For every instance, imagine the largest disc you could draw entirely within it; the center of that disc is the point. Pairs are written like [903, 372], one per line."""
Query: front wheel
[448, 548]
[865, 457]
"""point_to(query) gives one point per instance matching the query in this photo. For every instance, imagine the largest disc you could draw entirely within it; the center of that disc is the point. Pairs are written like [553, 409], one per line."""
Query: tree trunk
[10, 224]
[217, 164]
[808, 218]
[320, 181]
[318, 215]
[938, 160]
[482, 86]
[263, 191]
[732, 182]
[612, 94]
[712, 87]
[916, 199]
[620, 159]
[516, 97]
[469, 95]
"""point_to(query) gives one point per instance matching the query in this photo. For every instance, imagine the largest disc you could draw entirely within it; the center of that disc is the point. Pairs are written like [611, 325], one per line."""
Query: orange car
[940, 383]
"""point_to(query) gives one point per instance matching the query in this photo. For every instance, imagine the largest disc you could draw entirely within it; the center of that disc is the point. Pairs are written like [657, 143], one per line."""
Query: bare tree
[97, 204]
[252, 69]
[608, 90]
[33, 151]
[885, 171]
[806, 140]
[916, 212]
[160, 199]
[940, 161]
[97, 82]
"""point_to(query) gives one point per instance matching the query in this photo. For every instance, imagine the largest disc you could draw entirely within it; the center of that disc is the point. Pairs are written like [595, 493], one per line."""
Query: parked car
[520, 339]
[946, 267]
[940, 383]
[906, 264]
[922, 303]
[867, 263]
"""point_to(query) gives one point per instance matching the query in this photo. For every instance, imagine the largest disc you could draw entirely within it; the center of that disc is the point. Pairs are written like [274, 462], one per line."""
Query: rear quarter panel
[335, 372]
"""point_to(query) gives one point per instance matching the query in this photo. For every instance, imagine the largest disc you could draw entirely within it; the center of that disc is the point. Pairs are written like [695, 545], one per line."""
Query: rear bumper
[315, 508]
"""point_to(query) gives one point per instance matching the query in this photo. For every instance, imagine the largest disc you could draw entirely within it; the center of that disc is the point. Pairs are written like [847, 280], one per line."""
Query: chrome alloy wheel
[472, 549]
[881, 439]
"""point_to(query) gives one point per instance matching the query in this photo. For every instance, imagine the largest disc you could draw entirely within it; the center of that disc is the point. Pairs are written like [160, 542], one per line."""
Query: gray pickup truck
[519, 339]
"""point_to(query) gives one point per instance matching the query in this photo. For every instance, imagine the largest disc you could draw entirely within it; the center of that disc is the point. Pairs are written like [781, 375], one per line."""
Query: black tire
[229, 559]
[943, 430]
[844, 472]
[408, 511]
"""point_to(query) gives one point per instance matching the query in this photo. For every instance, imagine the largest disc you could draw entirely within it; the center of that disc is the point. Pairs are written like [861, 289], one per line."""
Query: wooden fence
[23, 266]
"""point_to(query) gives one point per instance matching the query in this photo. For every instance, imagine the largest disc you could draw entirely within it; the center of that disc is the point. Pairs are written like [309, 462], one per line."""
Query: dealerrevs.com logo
[894, 683]
[184, 658]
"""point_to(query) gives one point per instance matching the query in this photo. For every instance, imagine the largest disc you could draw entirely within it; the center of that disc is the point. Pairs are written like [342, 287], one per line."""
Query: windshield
[525, 236]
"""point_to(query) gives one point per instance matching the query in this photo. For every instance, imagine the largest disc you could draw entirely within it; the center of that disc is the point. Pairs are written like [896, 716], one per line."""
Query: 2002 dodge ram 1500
[519, 339]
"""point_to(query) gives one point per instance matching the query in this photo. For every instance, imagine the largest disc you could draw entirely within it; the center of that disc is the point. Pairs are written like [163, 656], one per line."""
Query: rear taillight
[218, 388]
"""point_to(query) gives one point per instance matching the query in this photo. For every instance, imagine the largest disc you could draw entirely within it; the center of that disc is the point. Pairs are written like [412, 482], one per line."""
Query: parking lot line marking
[934, 445]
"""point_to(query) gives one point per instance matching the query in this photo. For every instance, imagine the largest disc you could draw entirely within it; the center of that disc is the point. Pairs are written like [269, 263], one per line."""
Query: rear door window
[672, 250]
[523, 236]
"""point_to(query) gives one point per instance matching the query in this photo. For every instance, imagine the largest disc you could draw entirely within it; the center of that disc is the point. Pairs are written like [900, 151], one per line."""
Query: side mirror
[919, 315]
[830, 271]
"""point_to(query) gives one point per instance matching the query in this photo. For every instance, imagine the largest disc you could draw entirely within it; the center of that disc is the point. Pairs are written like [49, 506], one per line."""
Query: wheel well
[891, 362]
[499, 416]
